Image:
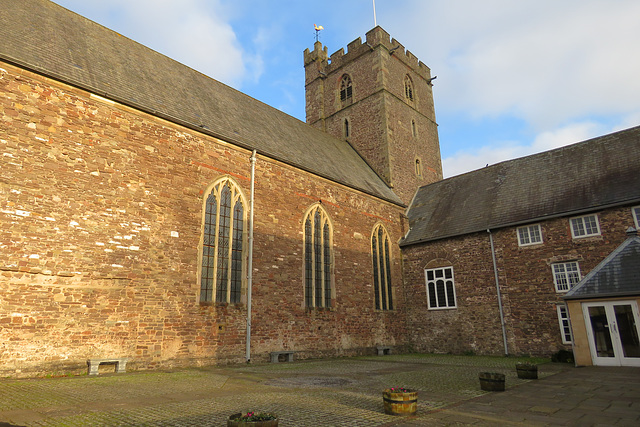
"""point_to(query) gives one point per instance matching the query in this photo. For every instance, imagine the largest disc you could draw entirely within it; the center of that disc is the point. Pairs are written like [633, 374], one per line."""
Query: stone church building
[151, 213]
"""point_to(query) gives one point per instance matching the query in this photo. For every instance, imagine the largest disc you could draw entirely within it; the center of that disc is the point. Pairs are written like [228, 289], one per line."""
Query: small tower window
[346, 89]
[408, 88]
[418, 168]
[413, 128]
[347, 129]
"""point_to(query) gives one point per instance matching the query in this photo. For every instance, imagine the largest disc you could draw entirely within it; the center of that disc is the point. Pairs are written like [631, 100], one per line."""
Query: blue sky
[514, 77]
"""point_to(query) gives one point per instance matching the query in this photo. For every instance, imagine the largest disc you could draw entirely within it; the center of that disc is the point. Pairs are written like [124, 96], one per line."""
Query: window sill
[221, 304]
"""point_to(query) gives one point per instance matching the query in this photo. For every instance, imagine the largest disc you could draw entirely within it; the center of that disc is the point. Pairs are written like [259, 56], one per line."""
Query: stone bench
[383, 350]
[121, 365]
[275, 355]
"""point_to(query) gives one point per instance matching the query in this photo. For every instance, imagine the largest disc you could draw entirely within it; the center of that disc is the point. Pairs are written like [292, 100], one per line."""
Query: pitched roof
[46, 38]
[617, 275]
[587, 176]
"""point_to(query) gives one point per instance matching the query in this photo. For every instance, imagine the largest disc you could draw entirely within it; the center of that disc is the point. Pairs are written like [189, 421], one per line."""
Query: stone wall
[526, 284]
[101, 219]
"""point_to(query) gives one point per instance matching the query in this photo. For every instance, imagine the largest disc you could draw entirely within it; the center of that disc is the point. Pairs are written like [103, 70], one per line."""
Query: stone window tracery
[346, 89]
[221, 275]
[408, 88]
[318, 258]
[381, 259]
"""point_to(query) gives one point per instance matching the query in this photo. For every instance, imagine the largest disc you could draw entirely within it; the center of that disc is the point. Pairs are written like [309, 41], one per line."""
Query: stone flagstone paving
[334, 392]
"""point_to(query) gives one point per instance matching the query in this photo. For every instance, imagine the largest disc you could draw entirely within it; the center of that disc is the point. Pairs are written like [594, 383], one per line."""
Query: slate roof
[46, 38]
[588, 176]
[616, 276]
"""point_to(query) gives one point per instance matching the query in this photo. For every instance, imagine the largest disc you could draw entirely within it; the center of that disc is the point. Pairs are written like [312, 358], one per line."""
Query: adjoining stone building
[136, 196]
[533, 226]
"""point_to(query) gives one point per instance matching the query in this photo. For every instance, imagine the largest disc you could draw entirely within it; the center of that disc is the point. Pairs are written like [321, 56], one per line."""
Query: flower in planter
[256, 416]
[399, 390]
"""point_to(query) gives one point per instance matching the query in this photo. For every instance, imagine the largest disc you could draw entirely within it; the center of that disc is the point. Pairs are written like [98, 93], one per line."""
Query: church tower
[379, 98]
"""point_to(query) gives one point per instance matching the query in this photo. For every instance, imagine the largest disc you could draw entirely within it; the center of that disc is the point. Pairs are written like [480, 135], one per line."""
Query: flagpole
[375, 21]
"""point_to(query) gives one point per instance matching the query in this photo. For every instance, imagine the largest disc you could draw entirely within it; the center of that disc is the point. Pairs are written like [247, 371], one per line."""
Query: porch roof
[616, 276]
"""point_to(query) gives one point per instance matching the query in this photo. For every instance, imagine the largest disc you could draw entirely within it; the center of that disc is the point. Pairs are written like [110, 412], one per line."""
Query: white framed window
[565, 275]
[529, 235]
[585, 226]
[441, 290]
[636, 215]
[565, 326]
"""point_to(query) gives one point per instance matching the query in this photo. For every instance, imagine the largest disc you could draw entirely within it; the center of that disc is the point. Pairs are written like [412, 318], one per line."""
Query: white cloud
[548, 62]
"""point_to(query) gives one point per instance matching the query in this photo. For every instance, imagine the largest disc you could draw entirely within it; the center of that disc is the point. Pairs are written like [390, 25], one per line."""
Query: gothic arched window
[408, 88]
[318, 258]
[346, 89]
[222, 244]
[381, 257]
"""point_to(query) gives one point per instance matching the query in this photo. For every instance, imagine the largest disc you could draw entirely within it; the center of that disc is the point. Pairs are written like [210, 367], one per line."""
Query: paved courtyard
[336, 392]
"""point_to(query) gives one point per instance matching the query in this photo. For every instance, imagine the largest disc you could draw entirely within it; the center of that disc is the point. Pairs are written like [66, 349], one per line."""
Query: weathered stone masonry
[526, 284]
[101, 215]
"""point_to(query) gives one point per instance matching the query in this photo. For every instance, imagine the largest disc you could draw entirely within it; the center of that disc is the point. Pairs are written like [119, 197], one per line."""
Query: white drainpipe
[250, 256]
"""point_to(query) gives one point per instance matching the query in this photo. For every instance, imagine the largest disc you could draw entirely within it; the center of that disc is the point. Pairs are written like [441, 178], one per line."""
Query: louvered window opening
[346, 89]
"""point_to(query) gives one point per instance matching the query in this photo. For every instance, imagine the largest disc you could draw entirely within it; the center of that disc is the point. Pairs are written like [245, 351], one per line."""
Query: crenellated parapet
[377, 38]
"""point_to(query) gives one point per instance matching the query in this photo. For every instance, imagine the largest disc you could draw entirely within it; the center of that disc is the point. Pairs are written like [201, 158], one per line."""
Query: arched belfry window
[346, 89]
[318, 258]
[381, 257]
[223, 247]
[408, 88]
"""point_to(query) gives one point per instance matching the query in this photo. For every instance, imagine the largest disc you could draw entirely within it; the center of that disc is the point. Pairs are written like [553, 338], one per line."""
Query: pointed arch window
[318, 258]
[346, 88]
[222, 268]
[408, 88]
[381, 258]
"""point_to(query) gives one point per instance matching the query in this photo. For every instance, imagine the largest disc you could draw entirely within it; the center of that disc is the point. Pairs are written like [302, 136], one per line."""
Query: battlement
[376, 38]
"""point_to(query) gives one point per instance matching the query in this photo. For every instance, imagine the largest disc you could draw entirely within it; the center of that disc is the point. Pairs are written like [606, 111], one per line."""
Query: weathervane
[318, 28]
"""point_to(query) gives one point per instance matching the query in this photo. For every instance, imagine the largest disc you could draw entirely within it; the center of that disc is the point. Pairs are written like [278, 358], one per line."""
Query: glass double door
[612, 329]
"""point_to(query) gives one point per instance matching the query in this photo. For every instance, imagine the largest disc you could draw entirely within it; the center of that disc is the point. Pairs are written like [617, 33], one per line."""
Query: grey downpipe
[250, 256]
[495, 272]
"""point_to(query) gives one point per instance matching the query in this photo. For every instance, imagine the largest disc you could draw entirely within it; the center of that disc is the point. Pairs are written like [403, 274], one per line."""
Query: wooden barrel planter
[236, 421]
[491, 381]
[527, 371]
[400, 402]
